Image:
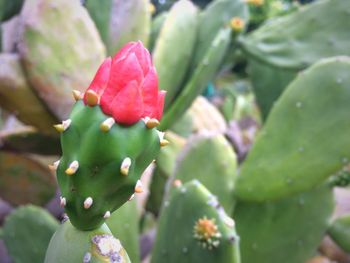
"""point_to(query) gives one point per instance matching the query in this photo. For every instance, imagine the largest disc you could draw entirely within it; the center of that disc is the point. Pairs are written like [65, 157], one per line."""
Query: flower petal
[124, 51]
[122, 72]
[158, 113]
[143, 56]
[127, 106]
[99, 83]
[149, 91]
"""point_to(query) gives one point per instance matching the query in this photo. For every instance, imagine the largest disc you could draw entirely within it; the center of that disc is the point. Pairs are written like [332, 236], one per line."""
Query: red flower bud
[127, 86]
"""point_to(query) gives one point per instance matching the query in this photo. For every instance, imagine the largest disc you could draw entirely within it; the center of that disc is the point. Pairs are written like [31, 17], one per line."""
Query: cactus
[23, 180]
[165, 166]
[178, 35]
[216, 15]
[157, 24]
[70, 245]
[60, 49]
[120, 21]
[124, 223]
[340, 232]
[14, 90]
[282, 162]
[28, 140]
[197, 82]
[269, 83]
[27, 232]
[286, 42]
[203, 234]
[287, 230]
[218, 175]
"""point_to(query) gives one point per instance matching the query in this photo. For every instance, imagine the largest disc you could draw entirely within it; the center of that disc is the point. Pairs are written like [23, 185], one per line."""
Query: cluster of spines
[206, 232]
[92, 99]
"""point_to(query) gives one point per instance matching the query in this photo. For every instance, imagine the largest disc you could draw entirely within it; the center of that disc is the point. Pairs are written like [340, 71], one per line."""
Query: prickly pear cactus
[157, 24]
[340, 232]
[193, 228]
[102, 174]
[286, 42]
[215, 16]
[27, 232]
[60, 49]
[287, 230]
[124, 224]
[70, 245]
[178, 36]
[110, 137]
[204, 72]
[294, 151]
[120, 21]
[218, 175]
[17, 96]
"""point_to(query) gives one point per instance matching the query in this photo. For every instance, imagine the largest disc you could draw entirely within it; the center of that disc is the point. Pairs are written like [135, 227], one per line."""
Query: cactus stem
[92, 98]
[138, 187]
[107, 124]
[72, 169]
[164, 142]
[88, 202]
[53, 167]
[63, 201]
[124, 168]
[131, 197]
[151, 123]
[77, 95]
[107, 215]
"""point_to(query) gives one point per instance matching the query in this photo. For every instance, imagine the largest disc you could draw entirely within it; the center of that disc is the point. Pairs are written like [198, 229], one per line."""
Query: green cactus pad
[269, 83]
[70, 245]
[124, 224]
[286, 42]
[177, 36]
[216, 16]
[288, 230]
[24, 180]
[28, 140]
[340, 232]
[120, 22]
[17, 96]
[60, 49]
[98, 179]
[203, 73]
[305, 138]
[217, 175]
[27, 232]
[178, 238]
[157, 24]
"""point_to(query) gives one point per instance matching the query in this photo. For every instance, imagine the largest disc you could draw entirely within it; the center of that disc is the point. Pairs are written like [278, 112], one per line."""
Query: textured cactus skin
[23, 180]
[17, 96]
[100, 156]
[288, 230]
[187, 204]
[216, 15]
[120, 21]
[157, 24]
[70, 245]
[199, 79]
[27, 232]
[269, 83]
[206, 117]
[177, 36]
[218, 175]
[294, 152]
[165, 166]
[60, 49]
[285, 42]
[124, 224]
[340, 232]
[28, 140]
